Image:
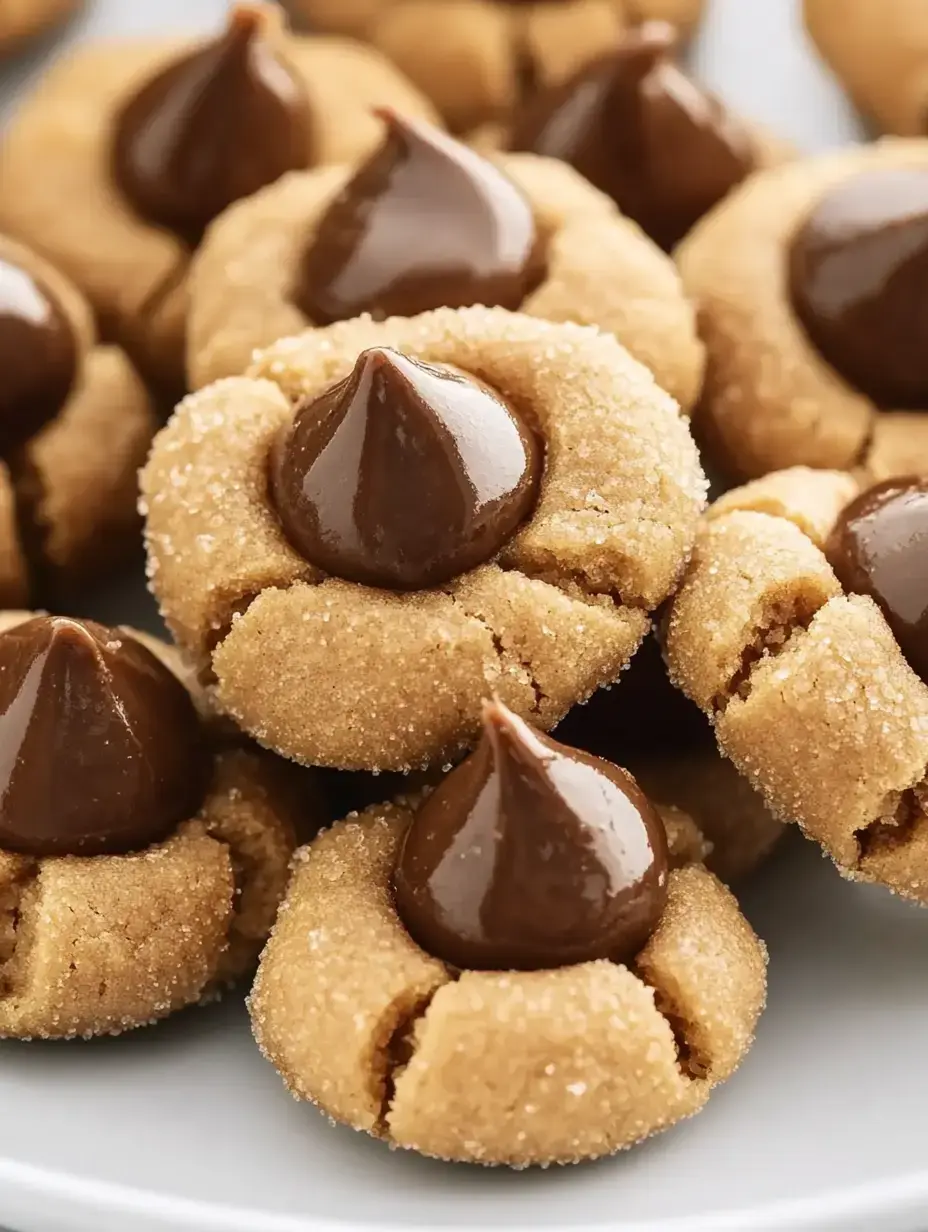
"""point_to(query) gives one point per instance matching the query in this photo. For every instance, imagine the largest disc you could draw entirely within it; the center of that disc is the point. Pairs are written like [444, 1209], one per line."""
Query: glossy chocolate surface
[858, 273]
[212, 128]
[879, 547]
[405, 474]
[425, 223]
[38, 356]
[640, 130]
[532, 855]
[102, 746]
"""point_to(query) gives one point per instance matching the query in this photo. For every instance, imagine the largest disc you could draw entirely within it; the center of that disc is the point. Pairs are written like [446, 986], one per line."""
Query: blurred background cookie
[126, 151]
[75, 426]
[879, 50]
[477, 59]
[809, 282]
[22, 19]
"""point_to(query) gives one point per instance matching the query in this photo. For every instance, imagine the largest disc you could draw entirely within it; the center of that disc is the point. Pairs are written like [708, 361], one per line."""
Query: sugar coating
[826, 718]
[812, 500]
[21, 19]
[510, 1068]
[473, 58]
[880, 52]
[770, 401]
[601, 270]
[57, 193]
[98, 945]
[332, 673]
[68, 497]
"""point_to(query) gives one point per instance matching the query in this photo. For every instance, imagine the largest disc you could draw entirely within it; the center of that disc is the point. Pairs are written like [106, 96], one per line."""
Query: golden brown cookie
[495, 977]
[477, 58]
[796, 630]
[96, 172]
[524, 560]
[808, 282]
[76, 426]
[712, 813]
[249, 283]
[880, 52]
[22, 19]
[141, 858]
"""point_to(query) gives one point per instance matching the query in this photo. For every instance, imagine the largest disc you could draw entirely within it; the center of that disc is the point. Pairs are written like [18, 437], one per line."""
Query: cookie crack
[694, 1064]
[576, 585]
[783, 621]
[507, 657]
[17, 896]
[895, 829]
[397, 1050]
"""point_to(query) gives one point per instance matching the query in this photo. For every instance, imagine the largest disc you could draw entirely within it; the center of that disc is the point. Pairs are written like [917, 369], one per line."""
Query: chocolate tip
[253, 20]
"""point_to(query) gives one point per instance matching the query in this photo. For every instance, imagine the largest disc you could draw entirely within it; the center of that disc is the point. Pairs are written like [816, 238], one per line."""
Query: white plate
[185, 1127]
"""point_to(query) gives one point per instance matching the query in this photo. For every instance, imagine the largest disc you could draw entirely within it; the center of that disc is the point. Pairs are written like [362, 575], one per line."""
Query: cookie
[477, 59]
[76, 426]
[522, 232]
[711, 813]
[506, 501]
[638, 128]
[127, 150]
[23, 19]
[880, 52]
[797, 629]
[809, 281]
[142, 856]
[510, 973]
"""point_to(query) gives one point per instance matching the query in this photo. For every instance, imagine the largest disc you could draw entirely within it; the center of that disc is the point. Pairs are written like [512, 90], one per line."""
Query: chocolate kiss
[640, 130]
[532, 855]
[212, 128]
[102, 746]
[858, 270]
[425, 223]
[879, 547]
[38, 356]
[405, 474]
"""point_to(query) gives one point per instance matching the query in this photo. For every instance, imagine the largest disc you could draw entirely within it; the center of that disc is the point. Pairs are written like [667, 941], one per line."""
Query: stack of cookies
[473, 709]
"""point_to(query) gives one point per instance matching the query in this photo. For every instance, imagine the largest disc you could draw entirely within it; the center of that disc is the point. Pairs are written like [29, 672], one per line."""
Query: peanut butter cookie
[427, 223]
[799, 629]
[637, 127]
[809, 281]
[880, 52]
[22, 19]
[477, 59]
[125, 153]
[75, 426]
[520, 976]
[141, 858]
[465, 500]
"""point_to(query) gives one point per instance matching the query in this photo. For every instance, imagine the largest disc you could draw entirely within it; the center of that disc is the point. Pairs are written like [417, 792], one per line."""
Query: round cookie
[23, 19]
[142, 857]
[635, 125]
[808, 282]
[880, 52]
[711, 812]
[270, 261]
[552, 993]
[76, 426]
[540, 590]
[115, 166]
[477, 59]
[813, 675]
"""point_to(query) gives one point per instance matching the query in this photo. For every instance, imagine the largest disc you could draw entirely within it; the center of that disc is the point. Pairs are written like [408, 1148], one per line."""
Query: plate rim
[838, 1209]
